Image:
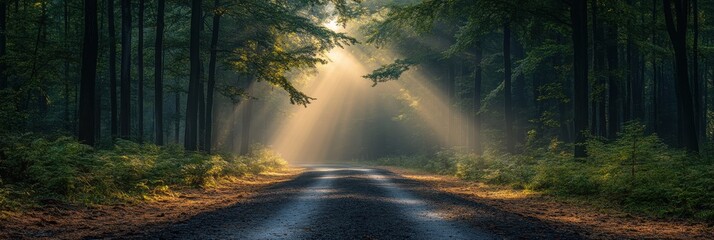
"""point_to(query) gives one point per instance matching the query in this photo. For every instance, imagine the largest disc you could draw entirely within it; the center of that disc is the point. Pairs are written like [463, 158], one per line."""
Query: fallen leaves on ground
[64, 221]
[589, 221]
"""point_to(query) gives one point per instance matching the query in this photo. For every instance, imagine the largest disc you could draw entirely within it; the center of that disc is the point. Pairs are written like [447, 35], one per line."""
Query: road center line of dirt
[428, 221]
[298, 214]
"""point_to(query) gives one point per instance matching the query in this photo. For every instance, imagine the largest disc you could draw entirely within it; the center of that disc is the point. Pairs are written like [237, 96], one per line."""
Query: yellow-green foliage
[64, 170]
[637, 172]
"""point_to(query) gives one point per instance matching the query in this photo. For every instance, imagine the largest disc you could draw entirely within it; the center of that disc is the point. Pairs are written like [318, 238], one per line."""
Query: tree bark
[613, 62]
[579, 18]
[125, 116]
[508, 104]
[3, 44]
[140, 72]
[191, 132]
[159, 75]
[685, 105]
[114, 122]
[88, 74]
[212, 75]
[599, 68]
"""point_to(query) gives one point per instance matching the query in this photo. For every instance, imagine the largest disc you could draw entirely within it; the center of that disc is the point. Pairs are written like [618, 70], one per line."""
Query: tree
[217, 12]
[579, 18]
[114, 121]
[677, 31]
[125, 117]
[159, 74]
[191, 132]
[89, 74]
[140, 72]
[508, 103]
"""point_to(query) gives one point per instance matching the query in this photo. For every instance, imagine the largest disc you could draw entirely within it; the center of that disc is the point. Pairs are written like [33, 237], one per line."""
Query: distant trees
[552, 33]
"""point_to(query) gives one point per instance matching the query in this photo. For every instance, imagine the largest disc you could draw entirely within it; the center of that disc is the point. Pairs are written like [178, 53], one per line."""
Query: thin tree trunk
[245, 132]
[508, 105]
[125, 116]
[599, 69]
[159, 75]
[140, 72]
[89, 74]
[212, 74]
[3, 44]
[66, 68]
[579, 18]
[191, 132]
[613, 62]
[114, 122]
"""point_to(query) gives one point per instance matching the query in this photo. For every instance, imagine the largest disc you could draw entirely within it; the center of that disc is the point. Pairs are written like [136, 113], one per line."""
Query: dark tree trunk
[3, 44]
[508, 104]
[89, 74]
[519, 97]
[159, 75]
[114, 122]
[685, 104]
[67, 80]
[177, 119]
[599, 68]
[613, 62]
[579, 18]
[655, 73]
[191, 132]
[212, 75]
[125, 116]
[698, 90]
[478, 57]
[140, 72]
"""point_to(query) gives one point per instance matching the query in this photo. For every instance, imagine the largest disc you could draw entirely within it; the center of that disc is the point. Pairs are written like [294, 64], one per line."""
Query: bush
[65, 170]
[637, 172]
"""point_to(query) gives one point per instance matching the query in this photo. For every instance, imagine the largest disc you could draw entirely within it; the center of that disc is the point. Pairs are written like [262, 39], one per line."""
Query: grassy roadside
[591, 219]
[636, 173]
[50, 186]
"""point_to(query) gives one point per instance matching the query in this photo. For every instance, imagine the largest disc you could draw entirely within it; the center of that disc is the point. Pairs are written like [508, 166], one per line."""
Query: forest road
[345, 202]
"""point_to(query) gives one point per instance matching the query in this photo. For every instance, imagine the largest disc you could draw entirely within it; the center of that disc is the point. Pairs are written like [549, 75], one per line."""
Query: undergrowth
[37, 170]
[637, 173]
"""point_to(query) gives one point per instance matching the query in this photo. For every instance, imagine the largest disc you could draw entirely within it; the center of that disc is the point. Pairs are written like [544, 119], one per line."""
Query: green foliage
[636, 172]
[64, 170]
[389, 72]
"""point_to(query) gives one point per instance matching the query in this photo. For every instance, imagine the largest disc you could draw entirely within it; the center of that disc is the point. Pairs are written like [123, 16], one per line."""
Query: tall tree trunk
[655, 73]
[698, 89]
[508, 104]
[599, 69]
[3, 44]
[613, 62]
[140, 72]
[579, 18]
[519, 97]
[685, 106]
[191, 132]
[89, 74]
[159, 75]
[67, 80]
[125, 117]
[478, 58]
[114, 122]
[212, 74]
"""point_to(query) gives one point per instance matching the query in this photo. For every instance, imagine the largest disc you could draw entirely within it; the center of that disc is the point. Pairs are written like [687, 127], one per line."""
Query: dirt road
[343, 202]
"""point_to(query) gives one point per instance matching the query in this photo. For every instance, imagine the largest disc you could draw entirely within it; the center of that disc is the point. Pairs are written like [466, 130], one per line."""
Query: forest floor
[64, 221]
[585, 218]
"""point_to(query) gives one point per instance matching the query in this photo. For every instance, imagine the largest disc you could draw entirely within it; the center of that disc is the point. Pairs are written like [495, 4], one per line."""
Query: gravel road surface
[345, 202]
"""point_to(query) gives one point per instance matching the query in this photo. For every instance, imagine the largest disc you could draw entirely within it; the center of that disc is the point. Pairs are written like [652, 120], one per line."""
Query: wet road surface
[343, 202]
